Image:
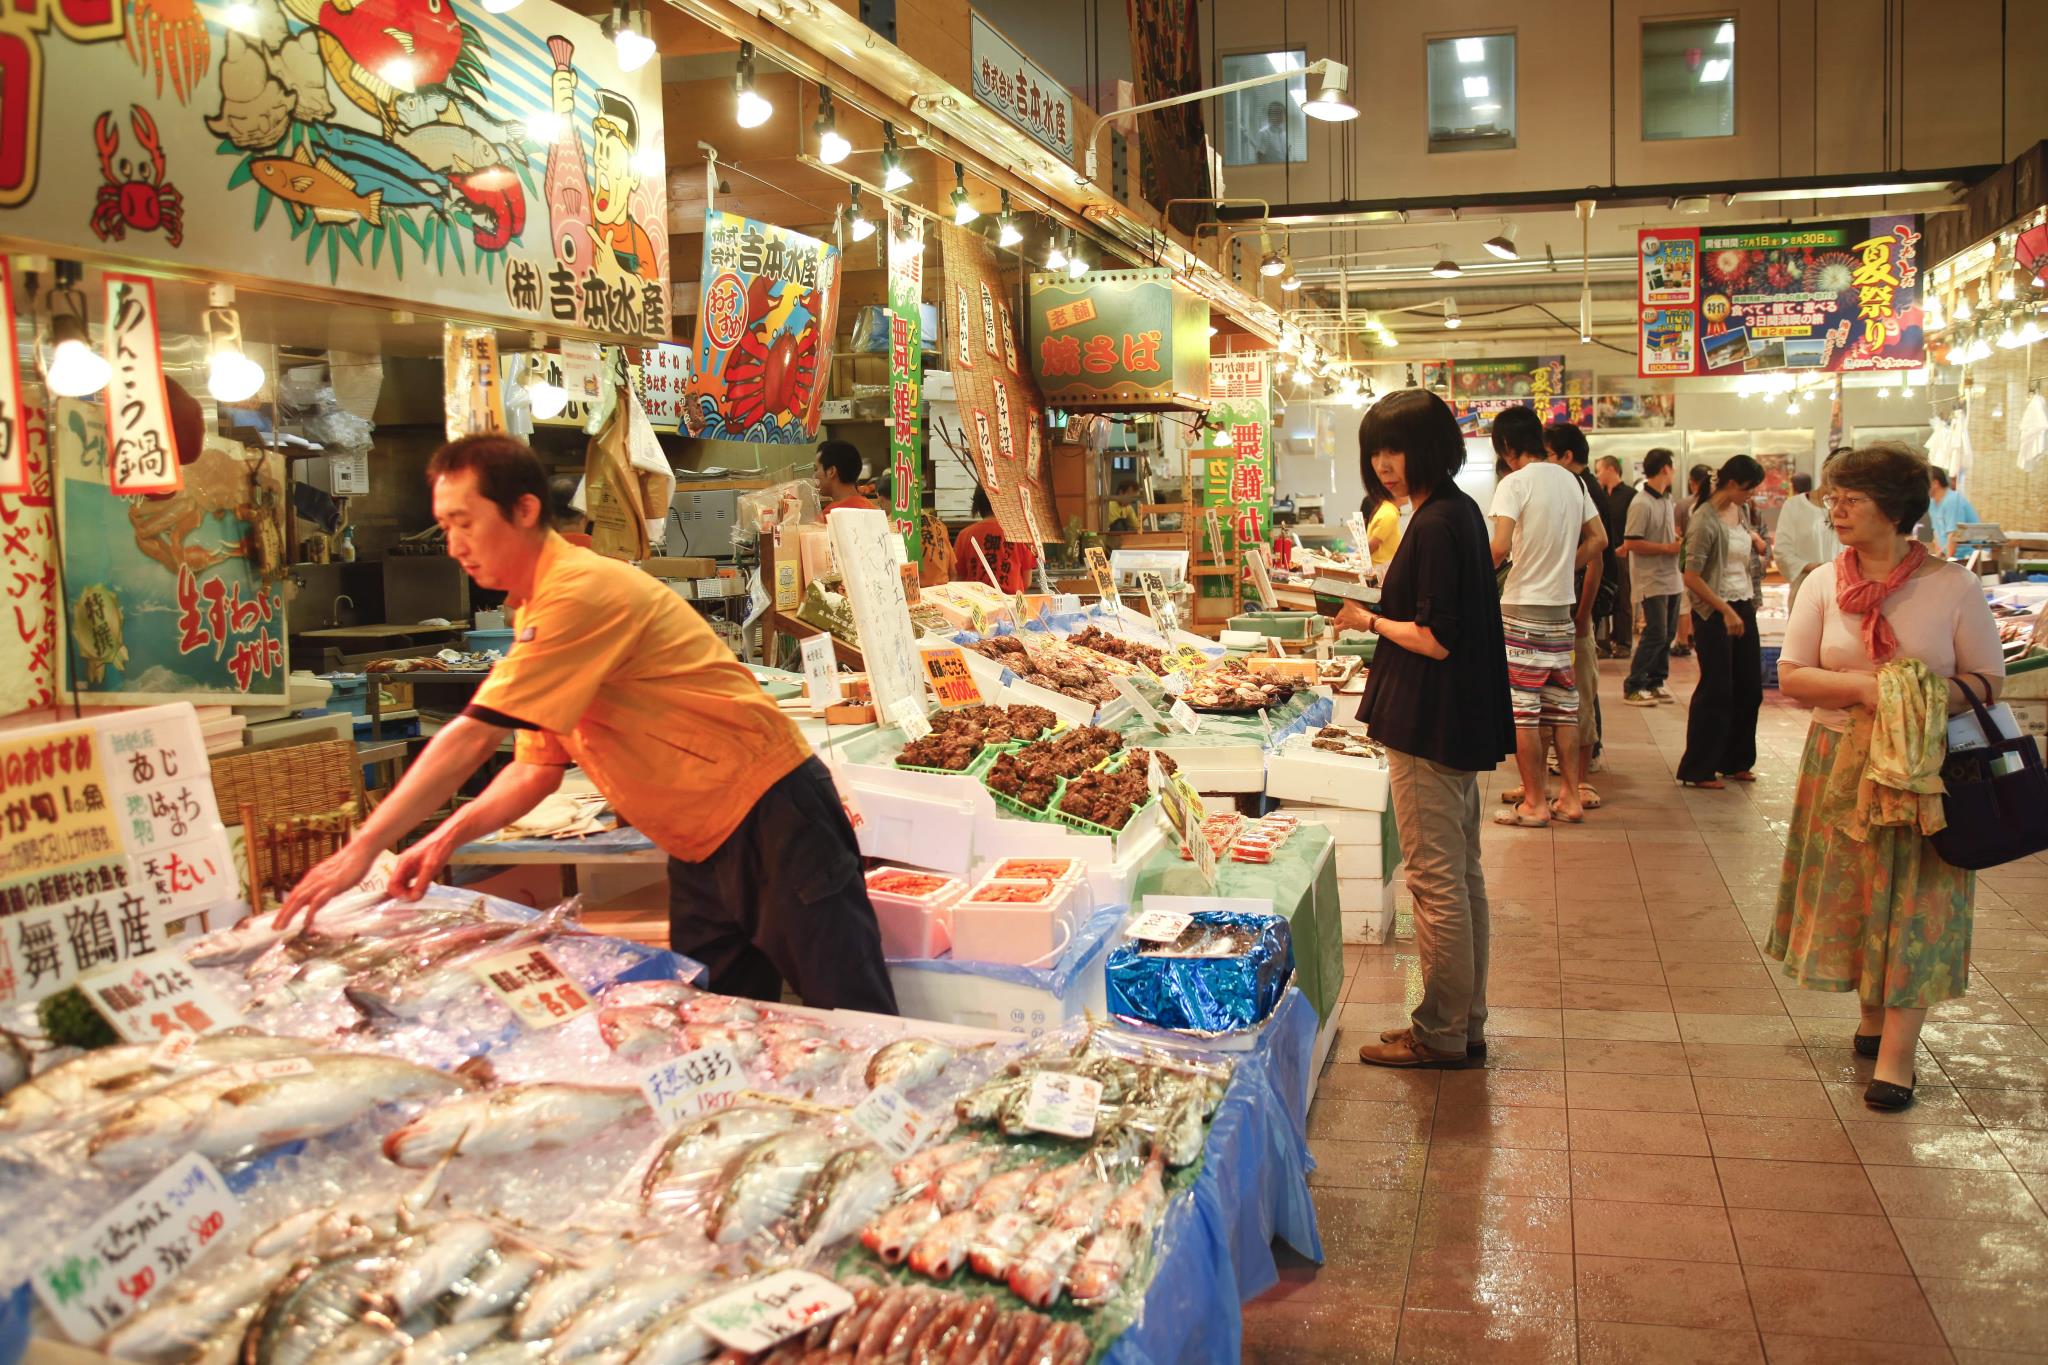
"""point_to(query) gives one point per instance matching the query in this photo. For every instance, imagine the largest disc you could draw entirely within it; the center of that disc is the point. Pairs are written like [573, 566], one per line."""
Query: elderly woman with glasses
[1882, 914]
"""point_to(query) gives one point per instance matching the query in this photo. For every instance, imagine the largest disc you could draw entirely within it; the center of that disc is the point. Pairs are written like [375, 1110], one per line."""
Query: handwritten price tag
[155, 996]
[897, 1126]
[951, 682]
[1062, 1104]
[533, 986]
[1098, 569]
[909, 717]
[1184, 659]
[757, 1316]
[100, 1278]
[1160, 926]
[694, 1083]
[1186, 716]
[821, 673]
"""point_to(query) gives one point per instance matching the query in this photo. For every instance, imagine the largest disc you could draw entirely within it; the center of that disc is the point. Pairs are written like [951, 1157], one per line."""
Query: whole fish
[852, 1188]
[984, 1104]
[514, 1118]
[1051, 1189]
[943, 1248]
[744, 1041]
[889, 1314]
[975, 1330]
[1001, 1240]
[925, 1307]
[805, 1061]
[1064, 1343]
[674, 1339]
[918, 1169]
[673, 994]
[955, 1183]
[893, 1232]
[1102, 1267]
[640, 1032]
[705, 1143]
[176, 1326]
[1139, 1203]
[165, 1117]
[622, 1313]
[423, 1266]
[1001, 1193]
[123, 1072]
[327, 1229]
[907, 1063]
[307, 1310]
[563, 1292]
[704, 1008]
[1083, 1207]
[843, 1333]
[493, 1286]
[454, 1342]
[363, 1343]
[1039, 1276]
[761, 1184]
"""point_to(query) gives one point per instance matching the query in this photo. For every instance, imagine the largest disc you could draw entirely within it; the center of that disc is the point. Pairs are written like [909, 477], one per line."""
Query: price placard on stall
[1165, 617]
[155, 996]
[759, 1315]
[1159, 926]
[1262, 577]
[1098, 569]
[695, 1083]
[533, 986]
[1184, 659]
[1062, 1104]
[951, 683]
[1128, 690]
[896, 1125]
[821, 673]
[1186, 716]
[99, 1278]
[909, 716]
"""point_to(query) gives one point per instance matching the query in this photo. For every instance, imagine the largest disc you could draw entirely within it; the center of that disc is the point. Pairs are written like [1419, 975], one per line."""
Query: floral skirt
[1886, 918]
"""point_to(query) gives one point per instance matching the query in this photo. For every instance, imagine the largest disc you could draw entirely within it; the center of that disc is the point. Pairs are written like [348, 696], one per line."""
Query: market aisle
[1667, 1158]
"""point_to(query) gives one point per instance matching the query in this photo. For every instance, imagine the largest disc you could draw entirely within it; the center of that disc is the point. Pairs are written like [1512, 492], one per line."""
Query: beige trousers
[1437, 811]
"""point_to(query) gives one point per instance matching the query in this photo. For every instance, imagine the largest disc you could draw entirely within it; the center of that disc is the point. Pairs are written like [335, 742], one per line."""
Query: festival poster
[1669, 272]
[177, 598]
[769, 304]
[28, 581]
[1000, 409]
[1238, 481]
[498, 166]
[1480, 389]
[906, 377]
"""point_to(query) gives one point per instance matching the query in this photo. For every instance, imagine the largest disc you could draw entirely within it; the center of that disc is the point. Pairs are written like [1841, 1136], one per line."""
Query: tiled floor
[1667, 1157]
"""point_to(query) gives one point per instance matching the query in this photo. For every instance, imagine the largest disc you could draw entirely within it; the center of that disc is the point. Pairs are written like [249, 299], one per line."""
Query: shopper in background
[1805, 541]
[1011, 563]
[1699, 481]
[1651, 549]
[1122, 512]
[1951, 508]
[838, 475]
[613, 672]
[1619, 626]
[1382, 528]
[1882, 915]
[1720, 724]
[1546, 527]
[1567, 445]
[569, 522]
[1759, 546]
[1437, 698]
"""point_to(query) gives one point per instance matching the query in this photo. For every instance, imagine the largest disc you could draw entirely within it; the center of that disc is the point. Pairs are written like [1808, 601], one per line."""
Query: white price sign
[533, 986]
[909, 717]
[821, 673]
[1129, 692]
[1062, 1104]
[897, 1126]
[757, 1316]
[694, 1083]
[1160, 926]
[1173, 684]
[1186, 716]
[156, 996]
[101, 1277]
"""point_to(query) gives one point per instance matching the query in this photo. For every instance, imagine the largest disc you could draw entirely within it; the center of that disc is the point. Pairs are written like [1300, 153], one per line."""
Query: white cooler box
[952, 997]
[1366, 906]
[1302, 773]
[1365, 842]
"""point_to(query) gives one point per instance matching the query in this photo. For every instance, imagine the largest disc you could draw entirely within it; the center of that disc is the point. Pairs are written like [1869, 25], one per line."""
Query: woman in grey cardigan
[1720, 726]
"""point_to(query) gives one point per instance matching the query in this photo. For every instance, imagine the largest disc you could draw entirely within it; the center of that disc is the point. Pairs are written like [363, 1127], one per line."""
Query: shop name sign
[1024, 93]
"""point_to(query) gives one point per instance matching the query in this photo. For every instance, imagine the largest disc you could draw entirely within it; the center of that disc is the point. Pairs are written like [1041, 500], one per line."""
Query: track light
[629, 36]
[1963, 309]
[1272, 263]
[894, 177]
[1007, 232]
[964, 211]
[545, 399]
[1502, 244]
[231, 376]
[1451, 318]
[750, 108]
[2008, 285]
[832, 148]
[1446, 269]
[1331, 103]
[858, 225]
[1290, 281]
[1221, 438]
[73, 368]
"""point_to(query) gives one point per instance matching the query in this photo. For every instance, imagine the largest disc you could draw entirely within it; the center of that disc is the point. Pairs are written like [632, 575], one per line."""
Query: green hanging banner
[906, 377]
[1239, 477]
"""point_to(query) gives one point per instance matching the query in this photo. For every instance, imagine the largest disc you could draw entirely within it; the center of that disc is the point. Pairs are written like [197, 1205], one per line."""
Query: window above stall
[1472, 93]
[1265, 125]
[1688, 79]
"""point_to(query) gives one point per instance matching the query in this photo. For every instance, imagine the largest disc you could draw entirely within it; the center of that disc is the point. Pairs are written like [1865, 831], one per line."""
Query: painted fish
[892, 1233]
[622, 1313]
[514, 1118]
[317, 186]
[562, 1293]
[1039, 1276]
[761, 1185]
[699, 1148]
[181, 1324]
[907, 1063]
[853, 1187]
[943, 1248]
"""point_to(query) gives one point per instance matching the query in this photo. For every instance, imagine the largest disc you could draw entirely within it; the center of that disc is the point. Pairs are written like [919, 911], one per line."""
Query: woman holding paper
[1437, 698]
[1875, 909]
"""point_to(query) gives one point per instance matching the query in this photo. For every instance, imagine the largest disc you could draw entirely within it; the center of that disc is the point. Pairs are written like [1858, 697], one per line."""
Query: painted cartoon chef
[612, 179]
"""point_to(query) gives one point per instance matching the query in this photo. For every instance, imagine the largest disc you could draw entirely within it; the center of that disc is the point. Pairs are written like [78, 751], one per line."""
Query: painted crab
[136, 194]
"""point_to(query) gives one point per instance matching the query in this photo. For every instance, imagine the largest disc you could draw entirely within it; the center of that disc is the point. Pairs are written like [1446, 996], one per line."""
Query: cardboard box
[680, 566]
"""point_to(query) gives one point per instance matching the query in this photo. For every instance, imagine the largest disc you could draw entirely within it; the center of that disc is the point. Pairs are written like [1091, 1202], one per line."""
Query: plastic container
[1015, 922]
[915, 910]
[499, 641]
[976, 766]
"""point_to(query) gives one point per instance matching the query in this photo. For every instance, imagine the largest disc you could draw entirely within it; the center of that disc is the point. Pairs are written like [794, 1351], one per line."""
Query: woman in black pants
[1720, 729]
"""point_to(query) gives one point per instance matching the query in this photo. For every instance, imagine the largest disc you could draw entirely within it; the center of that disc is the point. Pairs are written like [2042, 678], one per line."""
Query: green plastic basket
[979, 765]
[1016, 807]
[1089, 826]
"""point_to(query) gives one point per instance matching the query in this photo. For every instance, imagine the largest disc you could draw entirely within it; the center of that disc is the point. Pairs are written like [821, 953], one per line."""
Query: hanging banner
[906, 377]
[1480, 389]
[112, 833]
[1118, 341]
[497, 166]
[28, 581]
[177, 598]
[769, 303]
[1000, 409]
[1166, 60]
[1239, 481]
[1839, 297]
[473, 394]
[144, 458]
[13, 409]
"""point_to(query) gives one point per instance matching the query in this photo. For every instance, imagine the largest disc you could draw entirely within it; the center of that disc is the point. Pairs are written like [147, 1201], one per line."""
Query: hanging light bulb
[1502, 244]
[894, 177]
[1290, 281]
[1055, 258]
[858, 225]
[1585, 313]
[629, 37]
[751, 109]
[1077, 264]
[1221, 438]
[964, 211]
[1883, 394]
[73, 369]
[1931, 316]
[1792, 408]
[1451, 318]
[546, 399]
[1007, 231]
[231, 376]
[1963, 311]
[1272, 263]
[2009, 335]
[1446, 269]
[2009, 285]
[832, 148]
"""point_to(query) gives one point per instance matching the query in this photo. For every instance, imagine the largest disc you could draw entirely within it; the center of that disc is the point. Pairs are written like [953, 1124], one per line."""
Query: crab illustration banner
[496, 165]
[766, 314]
[177, 598]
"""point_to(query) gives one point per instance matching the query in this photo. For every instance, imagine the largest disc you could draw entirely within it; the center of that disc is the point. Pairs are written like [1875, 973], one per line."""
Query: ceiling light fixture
[1331, 103]
[964, 211]
[1502, 244]
[832, 148]
[1055, 256]
[629, 36]
[1451, 318]
[1077, 264]
[1007, 231]
[1725, 35]
[231, 377]
[1291, 281]
[2008, 285]
[1446, 268]
[1272, 263]
[858, 225]
[73, 369]
[894, 177]
[750, 107]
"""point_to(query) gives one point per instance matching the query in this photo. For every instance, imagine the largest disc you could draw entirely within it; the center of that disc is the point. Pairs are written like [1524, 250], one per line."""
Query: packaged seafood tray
[1037, 869]
[915, 910]
[1021, 923]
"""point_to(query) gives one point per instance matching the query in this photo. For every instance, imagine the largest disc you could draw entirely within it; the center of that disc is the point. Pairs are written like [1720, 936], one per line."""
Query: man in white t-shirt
[1805, 539]
[1546, 527]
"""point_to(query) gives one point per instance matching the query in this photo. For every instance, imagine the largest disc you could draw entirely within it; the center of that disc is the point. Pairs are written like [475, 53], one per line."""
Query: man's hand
[331, 877]
[417, 867]
[1733, 620]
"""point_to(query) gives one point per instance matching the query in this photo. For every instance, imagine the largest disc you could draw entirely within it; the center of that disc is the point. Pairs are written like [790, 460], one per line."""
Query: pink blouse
[1941, 619]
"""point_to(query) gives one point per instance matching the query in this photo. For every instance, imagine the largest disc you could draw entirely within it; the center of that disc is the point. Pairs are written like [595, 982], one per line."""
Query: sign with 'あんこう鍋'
[499, 166]
[111, 832]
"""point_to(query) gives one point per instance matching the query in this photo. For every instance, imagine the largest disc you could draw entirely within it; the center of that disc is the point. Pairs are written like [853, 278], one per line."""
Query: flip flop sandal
[1589, 798]
[1562, 818]
[1514, 819]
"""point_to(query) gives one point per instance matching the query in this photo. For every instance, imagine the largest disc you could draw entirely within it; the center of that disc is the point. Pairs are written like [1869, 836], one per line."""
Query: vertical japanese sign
[176, 598]
[473, 397]
[143, 459]
[906, 377]
[112, 832]
[664, 375]
[1240, 481]
[768, 304]
[1000, 406]
[13, 409]
[28, 580]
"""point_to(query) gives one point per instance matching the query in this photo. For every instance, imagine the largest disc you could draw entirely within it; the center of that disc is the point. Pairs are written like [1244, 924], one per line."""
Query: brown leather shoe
[1406, 1052]
[1472, 1050]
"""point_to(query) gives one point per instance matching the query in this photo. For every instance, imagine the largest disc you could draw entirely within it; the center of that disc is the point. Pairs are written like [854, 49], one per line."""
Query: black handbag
[1993, 817]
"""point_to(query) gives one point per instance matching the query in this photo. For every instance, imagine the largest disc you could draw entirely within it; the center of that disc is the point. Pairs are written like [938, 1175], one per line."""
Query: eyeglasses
[1848, 502]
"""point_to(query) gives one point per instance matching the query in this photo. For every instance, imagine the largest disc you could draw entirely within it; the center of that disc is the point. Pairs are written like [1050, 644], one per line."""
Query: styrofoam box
[1016, 935]
[1368, 926]
[1319, 776]
[1365, 893]
[1364, 860]
[1358, 828]
[915, 926]
[915, 828]
[988, 1002]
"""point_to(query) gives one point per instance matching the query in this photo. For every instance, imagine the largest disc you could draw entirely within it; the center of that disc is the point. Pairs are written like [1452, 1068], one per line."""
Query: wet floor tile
[1680, 1232]
[1511, 1338]
[1633, 1343]
[1805, 1240]
[1658, 1292]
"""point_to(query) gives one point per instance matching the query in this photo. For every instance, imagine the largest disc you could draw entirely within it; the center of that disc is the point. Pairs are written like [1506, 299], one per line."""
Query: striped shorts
[1542, 684]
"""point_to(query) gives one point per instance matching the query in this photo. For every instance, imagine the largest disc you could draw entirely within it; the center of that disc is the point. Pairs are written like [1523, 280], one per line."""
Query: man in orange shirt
[838, 476]
[611, 671]
[1012, 564]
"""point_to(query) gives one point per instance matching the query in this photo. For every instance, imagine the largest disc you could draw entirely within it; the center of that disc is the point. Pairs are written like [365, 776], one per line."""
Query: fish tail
[373, 208]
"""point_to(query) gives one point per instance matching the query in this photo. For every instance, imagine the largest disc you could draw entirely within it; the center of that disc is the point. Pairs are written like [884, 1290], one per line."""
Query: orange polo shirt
[850, 500]
[613, 672]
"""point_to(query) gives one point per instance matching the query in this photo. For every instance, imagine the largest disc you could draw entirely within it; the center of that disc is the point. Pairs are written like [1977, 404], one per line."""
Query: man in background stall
[838, 476]
[1950, 509]
[1012, 563]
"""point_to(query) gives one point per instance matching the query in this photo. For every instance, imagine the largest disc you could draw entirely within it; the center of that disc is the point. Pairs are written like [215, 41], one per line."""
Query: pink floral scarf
[1865, 597]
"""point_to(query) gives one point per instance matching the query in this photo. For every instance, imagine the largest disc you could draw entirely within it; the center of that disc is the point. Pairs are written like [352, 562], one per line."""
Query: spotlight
[547, 400]
[74, 369]
[964, 211]
[231, 376]
[1446, 269]
[1055, 259]
[894, 177]
[1502, 244]
[751, 108]
[1272, 263]
[1007, 231]
[635, 48]
[1077, 264]
[1330, 103]
[858, 225]
[1291, 282]
[832, 148]
[1451, 318]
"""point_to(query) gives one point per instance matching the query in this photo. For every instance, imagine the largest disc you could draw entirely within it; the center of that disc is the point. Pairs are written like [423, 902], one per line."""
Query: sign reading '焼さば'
[500, 166]
[767, 306]
[1119, 340]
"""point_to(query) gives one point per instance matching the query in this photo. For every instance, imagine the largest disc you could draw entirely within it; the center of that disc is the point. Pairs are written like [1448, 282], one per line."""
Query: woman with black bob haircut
[1437, 698]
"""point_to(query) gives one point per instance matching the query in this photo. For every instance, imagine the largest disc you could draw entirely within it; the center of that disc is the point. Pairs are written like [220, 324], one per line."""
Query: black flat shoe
[1889, 1098]
[1866, 1043]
